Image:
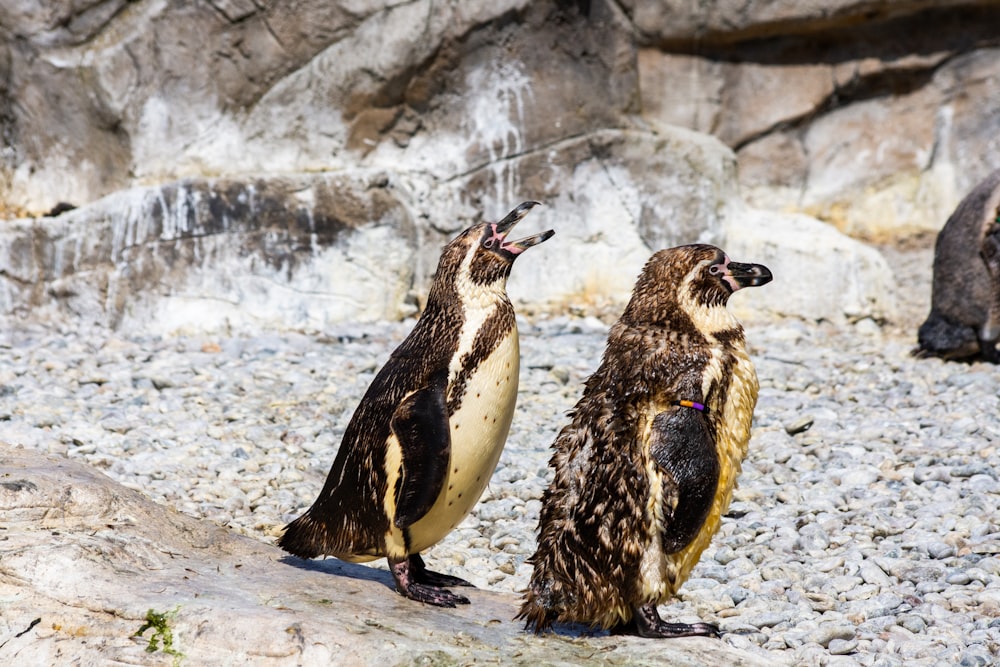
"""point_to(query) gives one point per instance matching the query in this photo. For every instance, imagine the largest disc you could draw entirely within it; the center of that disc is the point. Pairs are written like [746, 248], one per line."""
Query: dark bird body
[964, 321]
[645, 469]
[428, 433]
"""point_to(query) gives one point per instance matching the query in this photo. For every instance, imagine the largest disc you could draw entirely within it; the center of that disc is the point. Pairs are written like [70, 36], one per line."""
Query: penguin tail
[304, 537]
[536, 618]
[536, 610]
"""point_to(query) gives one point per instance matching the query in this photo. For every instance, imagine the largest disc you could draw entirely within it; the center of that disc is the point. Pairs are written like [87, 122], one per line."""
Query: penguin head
[729, 275]
[481, 256]
[692, 277]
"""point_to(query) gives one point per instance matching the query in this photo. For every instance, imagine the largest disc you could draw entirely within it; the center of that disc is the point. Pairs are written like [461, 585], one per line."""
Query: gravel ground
[864, 530]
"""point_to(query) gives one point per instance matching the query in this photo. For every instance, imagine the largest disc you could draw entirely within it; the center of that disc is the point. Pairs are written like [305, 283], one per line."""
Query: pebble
[842, 646]
[871, 573]
[940, 550]
[863, 530]
[800, 425]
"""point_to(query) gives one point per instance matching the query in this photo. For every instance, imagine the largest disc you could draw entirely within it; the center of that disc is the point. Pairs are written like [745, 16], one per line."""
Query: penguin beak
[740, 275]
[502, 228]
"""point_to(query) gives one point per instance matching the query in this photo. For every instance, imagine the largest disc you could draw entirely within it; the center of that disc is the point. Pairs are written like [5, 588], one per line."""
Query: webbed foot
[646, 622]
[416, 582]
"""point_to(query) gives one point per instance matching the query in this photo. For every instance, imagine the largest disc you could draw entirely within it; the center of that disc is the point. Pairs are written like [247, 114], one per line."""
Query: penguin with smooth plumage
[964, 322]
[645, 469]
[427, 435]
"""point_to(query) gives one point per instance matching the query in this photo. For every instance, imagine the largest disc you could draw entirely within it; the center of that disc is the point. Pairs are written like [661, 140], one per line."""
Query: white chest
[478, 432]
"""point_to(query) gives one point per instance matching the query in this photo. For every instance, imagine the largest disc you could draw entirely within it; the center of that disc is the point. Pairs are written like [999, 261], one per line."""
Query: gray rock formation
[151, 586]
[820, 273]
[302, 250]
[217, 252]
[872, 115]
[157, 92]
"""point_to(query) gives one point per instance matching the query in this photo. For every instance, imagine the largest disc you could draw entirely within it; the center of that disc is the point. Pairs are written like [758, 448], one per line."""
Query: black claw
[666, 630]
[421, 575]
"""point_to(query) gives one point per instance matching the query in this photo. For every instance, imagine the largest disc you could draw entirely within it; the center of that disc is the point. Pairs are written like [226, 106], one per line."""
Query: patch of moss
[162, 633]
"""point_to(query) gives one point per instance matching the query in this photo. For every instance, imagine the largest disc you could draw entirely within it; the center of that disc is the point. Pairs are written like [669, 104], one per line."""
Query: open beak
[740, 275]
[502, 228]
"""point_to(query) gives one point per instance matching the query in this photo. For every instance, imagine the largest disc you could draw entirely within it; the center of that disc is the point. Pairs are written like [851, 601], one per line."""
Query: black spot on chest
[494, 329]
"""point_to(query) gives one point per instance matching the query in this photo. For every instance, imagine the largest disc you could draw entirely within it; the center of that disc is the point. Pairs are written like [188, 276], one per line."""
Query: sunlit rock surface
[94, 573]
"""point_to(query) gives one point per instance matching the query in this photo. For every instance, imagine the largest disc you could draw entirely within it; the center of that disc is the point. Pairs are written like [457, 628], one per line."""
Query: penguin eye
[495, 239]
[715, 269]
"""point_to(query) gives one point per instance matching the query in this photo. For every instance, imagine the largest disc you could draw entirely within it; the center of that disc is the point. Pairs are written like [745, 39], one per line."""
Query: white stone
[819, 273]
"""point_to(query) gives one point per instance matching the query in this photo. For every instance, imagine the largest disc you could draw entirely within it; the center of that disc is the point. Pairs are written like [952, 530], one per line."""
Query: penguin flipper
[420, 424]
[683, 448]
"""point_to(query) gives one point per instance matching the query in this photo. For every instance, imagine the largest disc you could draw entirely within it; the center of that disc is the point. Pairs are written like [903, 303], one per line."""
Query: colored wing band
[691, 404]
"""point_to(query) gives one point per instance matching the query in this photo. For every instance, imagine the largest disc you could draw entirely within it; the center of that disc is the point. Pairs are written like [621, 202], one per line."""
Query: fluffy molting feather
[646, 466]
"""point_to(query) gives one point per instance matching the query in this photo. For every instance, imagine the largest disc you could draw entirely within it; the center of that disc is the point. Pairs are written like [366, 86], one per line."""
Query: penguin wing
[990, 253]
[420, 424]
[684, 450]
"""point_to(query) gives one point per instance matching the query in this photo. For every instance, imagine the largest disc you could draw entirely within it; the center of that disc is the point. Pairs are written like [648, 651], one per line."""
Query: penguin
[645, 469]
[425, 438]
[964, 322]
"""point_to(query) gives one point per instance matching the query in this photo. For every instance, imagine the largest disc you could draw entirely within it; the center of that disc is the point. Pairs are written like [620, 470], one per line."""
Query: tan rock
[868, 115]
[819, 273]
[767, 101]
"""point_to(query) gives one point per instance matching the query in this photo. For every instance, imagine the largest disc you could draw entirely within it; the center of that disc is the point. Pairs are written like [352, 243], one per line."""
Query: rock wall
[303, 250]
[121, 93]
[873, 115]
[298, 250]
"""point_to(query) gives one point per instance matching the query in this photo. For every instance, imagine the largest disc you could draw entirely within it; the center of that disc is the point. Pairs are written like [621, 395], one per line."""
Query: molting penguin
[423, 442]
[964, 321]
[646, 467]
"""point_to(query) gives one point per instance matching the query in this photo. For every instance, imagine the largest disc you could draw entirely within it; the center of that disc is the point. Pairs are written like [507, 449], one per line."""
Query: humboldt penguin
[964, 322]
[426, 436]
[646, 467]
